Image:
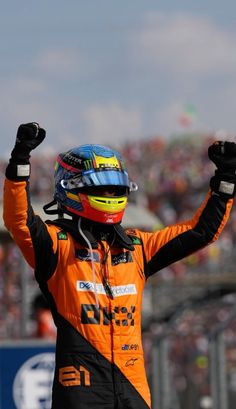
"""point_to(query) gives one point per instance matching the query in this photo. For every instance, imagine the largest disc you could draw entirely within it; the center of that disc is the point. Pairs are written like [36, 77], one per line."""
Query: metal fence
[202, 373]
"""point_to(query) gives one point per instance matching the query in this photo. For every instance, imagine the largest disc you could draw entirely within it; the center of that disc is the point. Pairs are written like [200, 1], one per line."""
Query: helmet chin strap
[47, 206]
[58, 209]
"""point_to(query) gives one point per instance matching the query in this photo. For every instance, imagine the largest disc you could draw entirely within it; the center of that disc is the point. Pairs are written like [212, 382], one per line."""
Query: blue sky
[111, 71]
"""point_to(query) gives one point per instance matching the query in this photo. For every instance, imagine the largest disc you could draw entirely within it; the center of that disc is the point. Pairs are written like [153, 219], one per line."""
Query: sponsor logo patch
[97, 315]
[117, 291]
[62, 235]
[124, 257]
[131, 362]
[71, 376]
[136, 240]
[130, 347]
[85, 255]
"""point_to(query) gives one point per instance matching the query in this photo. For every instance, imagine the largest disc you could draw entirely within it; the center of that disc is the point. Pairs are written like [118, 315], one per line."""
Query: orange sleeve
[16, 214]
[175, 242]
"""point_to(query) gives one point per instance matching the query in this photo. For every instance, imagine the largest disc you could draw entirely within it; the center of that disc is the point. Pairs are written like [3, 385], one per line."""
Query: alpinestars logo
[117, 291]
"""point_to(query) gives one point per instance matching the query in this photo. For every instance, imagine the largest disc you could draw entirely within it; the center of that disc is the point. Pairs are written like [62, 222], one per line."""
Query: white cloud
[60, 62]
[111, 123]
[188, 59]
[182, 43]
[27, 99]
[19, 96]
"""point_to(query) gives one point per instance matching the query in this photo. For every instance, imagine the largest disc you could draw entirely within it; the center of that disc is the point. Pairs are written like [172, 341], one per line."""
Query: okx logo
[120, 316]
[33, 382]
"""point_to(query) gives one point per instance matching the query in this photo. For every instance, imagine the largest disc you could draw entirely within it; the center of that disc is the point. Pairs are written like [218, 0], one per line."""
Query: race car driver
[93, 272]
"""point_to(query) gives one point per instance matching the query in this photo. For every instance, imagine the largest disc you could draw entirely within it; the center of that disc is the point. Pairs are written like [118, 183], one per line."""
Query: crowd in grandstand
[173, 177]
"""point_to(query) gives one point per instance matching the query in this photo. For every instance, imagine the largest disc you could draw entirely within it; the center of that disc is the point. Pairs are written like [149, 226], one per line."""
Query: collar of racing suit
[95, 232]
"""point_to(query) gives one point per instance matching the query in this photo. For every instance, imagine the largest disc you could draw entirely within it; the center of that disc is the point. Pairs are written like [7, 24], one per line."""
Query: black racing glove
[28, 137]
[223, 154]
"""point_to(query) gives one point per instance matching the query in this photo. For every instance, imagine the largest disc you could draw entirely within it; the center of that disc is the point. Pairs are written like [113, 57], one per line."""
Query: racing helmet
[82, 175]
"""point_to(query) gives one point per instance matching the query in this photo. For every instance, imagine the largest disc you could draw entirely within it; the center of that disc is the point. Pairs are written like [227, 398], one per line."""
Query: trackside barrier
[218, 363]
[26, 374]
[218, 371]
[163, 395]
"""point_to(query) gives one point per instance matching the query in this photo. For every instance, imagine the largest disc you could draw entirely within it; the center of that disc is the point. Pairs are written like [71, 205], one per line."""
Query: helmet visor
[105, 178]
[100, 178]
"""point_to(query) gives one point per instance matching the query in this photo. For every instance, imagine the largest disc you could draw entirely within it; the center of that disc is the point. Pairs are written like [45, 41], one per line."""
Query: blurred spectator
[45, 327]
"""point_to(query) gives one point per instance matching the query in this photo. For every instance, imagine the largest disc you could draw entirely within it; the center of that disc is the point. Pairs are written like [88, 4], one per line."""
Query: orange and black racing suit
[99, 355]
